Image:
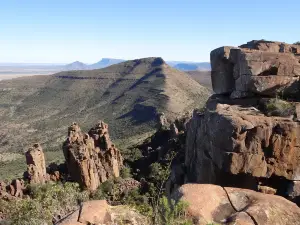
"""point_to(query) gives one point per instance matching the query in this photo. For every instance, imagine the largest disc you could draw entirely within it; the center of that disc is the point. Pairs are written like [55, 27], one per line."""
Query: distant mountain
[188, 66]
[75, 66]
[128, 96]
[105, 62]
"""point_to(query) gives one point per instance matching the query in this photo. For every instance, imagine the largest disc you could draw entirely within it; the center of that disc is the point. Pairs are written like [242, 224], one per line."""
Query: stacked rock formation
[256, 68]
[36, 165]
[233, 142]
[91, 158]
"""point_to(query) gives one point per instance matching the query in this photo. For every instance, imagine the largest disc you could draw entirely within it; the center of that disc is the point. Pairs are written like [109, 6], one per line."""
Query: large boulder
[238, 145]
[98, 212]
[214, 204]
[36, 165]
[91, 158]
[256, 69]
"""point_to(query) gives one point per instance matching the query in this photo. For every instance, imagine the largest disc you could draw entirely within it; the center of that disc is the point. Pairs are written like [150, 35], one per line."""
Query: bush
[277, 107]
[132, 154]
[125, 172]
[172, 213]
[297, 43]
[46, 203]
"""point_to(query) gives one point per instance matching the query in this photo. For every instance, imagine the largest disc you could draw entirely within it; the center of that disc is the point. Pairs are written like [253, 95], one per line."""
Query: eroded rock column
[91, 158]
[36, 165]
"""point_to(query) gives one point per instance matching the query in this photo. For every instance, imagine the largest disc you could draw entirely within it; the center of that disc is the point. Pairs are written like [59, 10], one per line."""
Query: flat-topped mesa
[256, 68]
[36, 165]
[91, 158]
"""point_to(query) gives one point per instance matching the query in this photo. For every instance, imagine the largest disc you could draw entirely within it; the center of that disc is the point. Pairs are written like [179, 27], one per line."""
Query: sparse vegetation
[278, 107]
[125, 172]
[172, 213]
[46, 203]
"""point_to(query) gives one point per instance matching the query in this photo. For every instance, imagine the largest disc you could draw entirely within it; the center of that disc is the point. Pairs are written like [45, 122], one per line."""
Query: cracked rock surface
[211, 203]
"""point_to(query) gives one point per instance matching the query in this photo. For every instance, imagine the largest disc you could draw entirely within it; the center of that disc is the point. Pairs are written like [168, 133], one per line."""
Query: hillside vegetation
[128, 96]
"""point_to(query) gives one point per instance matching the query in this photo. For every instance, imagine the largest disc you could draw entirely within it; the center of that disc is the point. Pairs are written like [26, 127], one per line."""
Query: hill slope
[202, 77]
[128, 96]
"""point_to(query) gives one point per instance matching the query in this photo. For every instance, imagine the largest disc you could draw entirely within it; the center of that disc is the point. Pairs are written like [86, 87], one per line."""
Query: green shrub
[172, 213]
[45, 203]
[107, 187]
[297, 43]
[125, 172]
[132, 154]
[277, 107]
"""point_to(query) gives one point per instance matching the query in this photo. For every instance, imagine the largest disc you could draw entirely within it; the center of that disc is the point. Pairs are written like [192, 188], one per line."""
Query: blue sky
[52, 31]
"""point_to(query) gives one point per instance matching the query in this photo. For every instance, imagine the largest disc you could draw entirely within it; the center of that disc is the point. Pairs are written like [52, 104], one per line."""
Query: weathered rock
[36, 165]
[262, 69]
[94, 212]
[210, 203]
[272, 46]
[55, 176]
[91, 158]
[231, 140]
[222, 70]
[126, 185]
[98, 212]
[19, 187]
[14, 189]
[266, 190]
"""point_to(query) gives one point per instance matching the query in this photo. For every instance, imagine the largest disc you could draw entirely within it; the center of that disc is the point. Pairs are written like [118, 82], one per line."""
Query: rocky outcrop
[91, 158]
[236, 145]
[214, 204]
[251, 142]
[272, 46]
[12, 190]
[99, 212]
[245, 137]
[257, 68]
[36, 165]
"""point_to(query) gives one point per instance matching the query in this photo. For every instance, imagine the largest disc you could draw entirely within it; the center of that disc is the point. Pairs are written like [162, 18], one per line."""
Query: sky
[63, 31]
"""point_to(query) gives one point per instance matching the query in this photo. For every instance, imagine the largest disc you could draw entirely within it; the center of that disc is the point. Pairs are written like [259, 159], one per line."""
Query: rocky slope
[129, 94]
